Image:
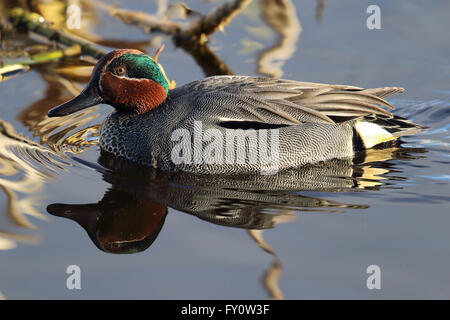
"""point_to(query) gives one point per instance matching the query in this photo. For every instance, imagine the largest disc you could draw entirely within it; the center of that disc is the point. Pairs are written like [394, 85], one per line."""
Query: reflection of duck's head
[119, 223]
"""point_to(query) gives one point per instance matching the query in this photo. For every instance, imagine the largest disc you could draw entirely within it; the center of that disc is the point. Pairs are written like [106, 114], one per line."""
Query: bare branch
[144, 21]
[198, 30]
[215, 20]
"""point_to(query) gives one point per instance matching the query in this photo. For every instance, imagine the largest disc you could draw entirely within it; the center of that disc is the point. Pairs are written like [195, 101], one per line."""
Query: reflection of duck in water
[132, 212]
[313, 122]
[119, 223]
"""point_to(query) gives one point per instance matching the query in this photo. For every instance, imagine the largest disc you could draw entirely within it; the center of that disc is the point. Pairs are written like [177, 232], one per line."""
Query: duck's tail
[373, 130]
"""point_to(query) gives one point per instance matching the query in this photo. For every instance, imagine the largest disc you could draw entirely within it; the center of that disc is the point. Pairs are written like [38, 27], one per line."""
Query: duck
[231, 124]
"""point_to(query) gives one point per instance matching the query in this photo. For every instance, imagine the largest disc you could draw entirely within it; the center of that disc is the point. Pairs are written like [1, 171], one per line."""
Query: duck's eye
[120, 70]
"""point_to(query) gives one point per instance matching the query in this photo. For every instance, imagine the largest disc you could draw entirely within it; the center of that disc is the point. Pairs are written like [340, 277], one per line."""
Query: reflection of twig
[24, 177]
[273, 273]
[16, 215]
[21, 156]
[281, 16]
[55, 93]
[24, 238]
[270, 279]
[319, 9]
[205, 58]
[256, 235]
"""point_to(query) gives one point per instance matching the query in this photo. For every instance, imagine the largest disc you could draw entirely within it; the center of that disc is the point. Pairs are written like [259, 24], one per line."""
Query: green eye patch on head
[139, 66]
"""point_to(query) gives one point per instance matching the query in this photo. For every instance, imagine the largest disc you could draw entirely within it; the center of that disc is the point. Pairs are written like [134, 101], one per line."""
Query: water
[307, 233]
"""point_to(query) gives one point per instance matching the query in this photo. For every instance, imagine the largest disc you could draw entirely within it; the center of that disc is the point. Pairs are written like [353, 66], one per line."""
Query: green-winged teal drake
[307, 122]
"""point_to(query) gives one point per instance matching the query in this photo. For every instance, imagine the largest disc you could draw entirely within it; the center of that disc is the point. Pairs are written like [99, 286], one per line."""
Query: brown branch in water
[217, 19]
[319, 9]
[144, 21]
[198, 30]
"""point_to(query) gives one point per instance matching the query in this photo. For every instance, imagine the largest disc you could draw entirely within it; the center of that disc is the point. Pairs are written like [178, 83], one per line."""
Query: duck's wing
[287, 102]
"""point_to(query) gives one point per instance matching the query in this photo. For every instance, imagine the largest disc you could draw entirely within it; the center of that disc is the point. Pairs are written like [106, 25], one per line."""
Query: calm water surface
[308, 233]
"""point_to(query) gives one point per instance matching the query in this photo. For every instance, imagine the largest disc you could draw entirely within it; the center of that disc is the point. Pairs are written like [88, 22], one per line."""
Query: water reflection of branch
[319, 9]
[8, 239]
[205, 58]
[57, 91]
[273, 273]
[281, 16]
[24, 163]
[271, 278]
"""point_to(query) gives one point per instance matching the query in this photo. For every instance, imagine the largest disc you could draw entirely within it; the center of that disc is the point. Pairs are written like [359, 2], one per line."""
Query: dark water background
[391, 210]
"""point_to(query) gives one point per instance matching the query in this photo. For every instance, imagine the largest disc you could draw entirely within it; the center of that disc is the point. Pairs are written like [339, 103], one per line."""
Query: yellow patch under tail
[372, 134]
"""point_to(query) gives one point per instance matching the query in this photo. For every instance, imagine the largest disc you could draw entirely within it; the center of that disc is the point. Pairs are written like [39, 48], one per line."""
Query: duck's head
[126, 79]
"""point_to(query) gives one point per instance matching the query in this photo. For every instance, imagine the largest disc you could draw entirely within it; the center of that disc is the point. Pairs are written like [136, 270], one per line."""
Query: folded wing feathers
[383, 92]
[270, 106]
[337, 96]
[293, 102]
[318, 102]
[349, 105]
[285, 104]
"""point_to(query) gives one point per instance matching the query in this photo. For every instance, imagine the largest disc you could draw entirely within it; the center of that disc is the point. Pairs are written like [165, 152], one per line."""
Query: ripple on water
[26, 166]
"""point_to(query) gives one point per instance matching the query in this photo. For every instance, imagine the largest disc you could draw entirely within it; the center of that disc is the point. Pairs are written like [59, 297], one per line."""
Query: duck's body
[197, 127]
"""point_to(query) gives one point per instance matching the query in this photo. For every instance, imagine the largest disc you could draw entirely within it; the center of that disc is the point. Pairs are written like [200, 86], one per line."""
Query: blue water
[389, 209]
